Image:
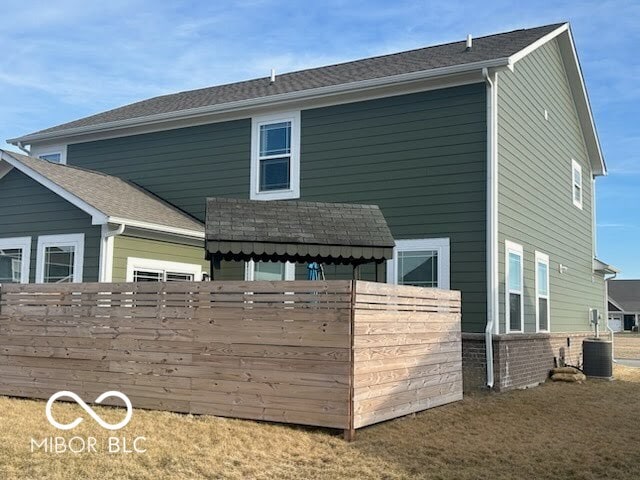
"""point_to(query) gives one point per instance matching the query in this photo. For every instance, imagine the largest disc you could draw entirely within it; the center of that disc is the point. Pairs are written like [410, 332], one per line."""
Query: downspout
[606, 312]
[492, 220]
[106, 251]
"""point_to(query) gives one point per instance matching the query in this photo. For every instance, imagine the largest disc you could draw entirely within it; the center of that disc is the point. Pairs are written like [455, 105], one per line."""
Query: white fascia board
[578, 89]
[97, 217]
[309, 94]
[159, 228]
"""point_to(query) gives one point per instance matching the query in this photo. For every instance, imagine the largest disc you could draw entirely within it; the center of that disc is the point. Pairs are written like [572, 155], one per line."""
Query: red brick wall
[520, 360]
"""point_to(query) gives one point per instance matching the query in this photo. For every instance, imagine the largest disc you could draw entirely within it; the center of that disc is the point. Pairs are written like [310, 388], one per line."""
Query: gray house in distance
[482, 155]
[624, 304]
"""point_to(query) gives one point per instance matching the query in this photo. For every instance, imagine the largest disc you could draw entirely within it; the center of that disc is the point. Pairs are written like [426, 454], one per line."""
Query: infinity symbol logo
[89, 410]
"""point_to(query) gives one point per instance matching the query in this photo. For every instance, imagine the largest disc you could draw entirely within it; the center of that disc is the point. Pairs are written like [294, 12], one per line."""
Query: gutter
[492, 219]
[106, 252]
[239, 105]
[606, 310]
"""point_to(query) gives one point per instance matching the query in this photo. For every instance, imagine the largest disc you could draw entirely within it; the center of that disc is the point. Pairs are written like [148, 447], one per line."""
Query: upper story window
[15, 255]
[60, 258]
[514, 287]
[576, 183]
[275, 157]
[51, 153]
[52, 157]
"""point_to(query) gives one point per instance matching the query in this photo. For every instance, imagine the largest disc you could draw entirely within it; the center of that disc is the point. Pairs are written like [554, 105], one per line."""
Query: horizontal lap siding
[125, 247]
[422, 159]
[29, 209]
[535, 203]
[182, 166]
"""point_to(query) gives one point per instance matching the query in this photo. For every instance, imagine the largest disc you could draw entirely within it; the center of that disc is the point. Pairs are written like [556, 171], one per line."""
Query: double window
[514, 287]
[60, 258]
[275, 157]
[576, 183]
[422, 263]
[150, 270]
[542, 292]
[15, 256]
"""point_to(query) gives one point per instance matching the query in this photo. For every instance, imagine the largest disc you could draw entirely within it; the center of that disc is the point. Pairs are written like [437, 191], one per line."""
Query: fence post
[350, 432]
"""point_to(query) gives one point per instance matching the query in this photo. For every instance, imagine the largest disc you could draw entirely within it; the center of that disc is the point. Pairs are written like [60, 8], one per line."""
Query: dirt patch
[554, 431]
[627, 345]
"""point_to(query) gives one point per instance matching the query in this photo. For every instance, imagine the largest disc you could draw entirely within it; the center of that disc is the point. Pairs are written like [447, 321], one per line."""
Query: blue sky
[67, 59]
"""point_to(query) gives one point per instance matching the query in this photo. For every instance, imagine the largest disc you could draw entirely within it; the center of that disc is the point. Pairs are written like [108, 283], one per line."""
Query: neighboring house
[624, 304]
[481, 155]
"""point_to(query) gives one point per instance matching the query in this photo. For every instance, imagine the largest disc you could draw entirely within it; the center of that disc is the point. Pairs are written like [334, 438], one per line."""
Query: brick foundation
[520, 360]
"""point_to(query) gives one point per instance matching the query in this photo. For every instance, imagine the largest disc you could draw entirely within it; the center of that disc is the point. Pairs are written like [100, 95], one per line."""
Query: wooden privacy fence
[340, 354]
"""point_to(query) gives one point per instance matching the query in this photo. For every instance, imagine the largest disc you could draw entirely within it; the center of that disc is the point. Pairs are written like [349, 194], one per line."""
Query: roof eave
[183, 232]
[309, 94]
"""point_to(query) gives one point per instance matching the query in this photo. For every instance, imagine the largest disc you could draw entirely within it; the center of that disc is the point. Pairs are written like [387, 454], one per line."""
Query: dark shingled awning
[296, 231]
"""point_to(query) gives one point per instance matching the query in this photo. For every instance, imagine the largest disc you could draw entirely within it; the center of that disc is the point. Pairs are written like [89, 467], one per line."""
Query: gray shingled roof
[110, 195]
[244, 228]
[486, 48]
[626, 294]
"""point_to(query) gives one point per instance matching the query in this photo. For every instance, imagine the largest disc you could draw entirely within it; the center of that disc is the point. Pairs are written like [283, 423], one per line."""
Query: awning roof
[296, 231]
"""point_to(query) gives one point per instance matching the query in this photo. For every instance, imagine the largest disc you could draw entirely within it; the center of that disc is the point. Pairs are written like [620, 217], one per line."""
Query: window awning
[294, 231]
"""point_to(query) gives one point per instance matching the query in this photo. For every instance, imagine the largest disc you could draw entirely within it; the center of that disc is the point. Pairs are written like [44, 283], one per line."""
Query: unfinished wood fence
[340, 354]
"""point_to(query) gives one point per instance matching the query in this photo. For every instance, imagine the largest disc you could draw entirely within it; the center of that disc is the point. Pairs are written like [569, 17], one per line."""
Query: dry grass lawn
[555, 431]
[627, 345]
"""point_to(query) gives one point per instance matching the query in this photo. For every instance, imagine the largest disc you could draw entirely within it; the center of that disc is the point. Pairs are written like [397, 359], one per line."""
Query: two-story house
[482, 155]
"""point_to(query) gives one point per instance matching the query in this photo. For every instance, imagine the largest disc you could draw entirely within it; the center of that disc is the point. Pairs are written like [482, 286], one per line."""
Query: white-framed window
[151, 270]
[543, 313]
[514, 311]
[52, 153]
[576, 183]
[15, 259]
[420, 262]
[275, 156]
[60, 258]
[269, 271]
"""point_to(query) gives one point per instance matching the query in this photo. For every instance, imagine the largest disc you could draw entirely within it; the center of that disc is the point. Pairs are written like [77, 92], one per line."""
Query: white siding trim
[542, 258]
[74, 240]
[511, 247]
[294, 165]
[24, 244]
[441, 245]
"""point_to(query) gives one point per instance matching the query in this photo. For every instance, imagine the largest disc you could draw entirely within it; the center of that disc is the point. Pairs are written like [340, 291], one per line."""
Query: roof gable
[106, 198]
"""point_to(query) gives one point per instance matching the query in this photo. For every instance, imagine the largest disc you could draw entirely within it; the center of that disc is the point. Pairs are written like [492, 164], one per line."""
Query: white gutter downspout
[106, 252]
[21, 146]
[606, 312]
[492, 219]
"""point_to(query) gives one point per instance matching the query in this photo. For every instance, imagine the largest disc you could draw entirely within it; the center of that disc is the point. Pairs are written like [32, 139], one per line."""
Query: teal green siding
[420, 157]
[29, 209]
[181, 166]
[535, 203]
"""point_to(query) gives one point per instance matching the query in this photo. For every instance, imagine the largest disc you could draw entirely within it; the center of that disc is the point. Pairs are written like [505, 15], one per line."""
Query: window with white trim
[514, 287]
[51, 153]
[576, 183]
[420, 262]
[275, 156]
[60, 258]
[273, 271]
[15, 257]
[542, 292]
[151, 270]
[52, 157]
